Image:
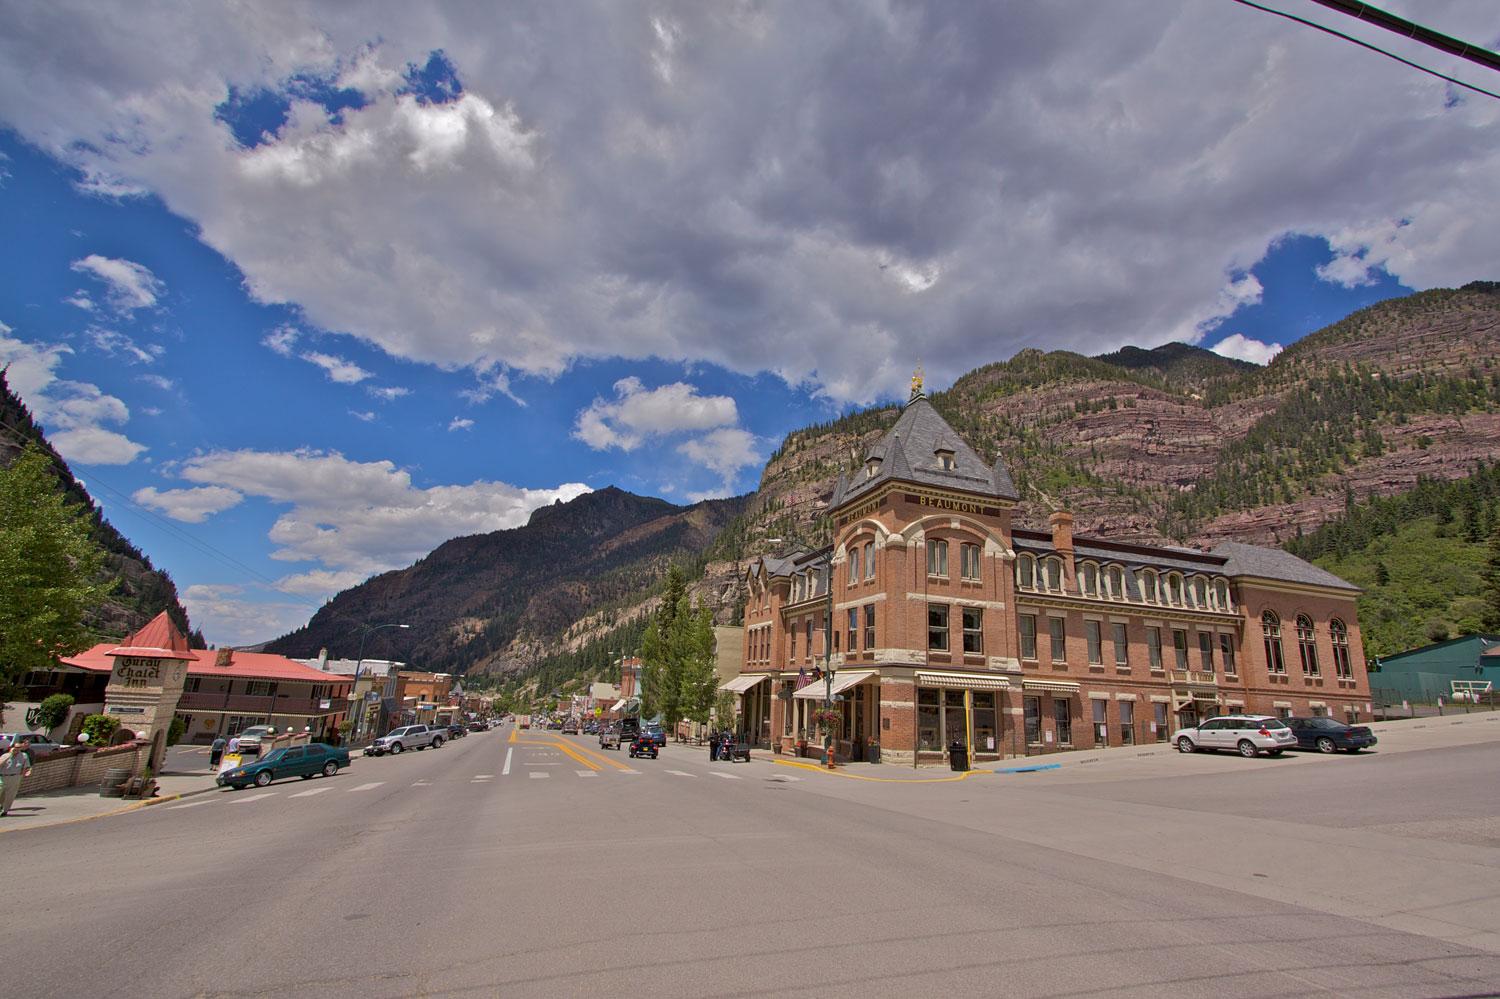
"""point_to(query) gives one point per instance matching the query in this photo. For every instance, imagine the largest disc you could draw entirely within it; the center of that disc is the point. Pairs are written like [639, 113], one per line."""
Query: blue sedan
[289, 761]
[1329, 736]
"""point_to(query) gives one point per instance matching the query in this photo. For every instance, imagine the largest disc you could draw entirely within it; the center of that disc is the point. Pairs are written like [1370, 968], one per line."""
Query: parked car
[288, 761]
[40, 744]
[1249, 735]
[457, 731]
[251, 738]
[643, 746]
[477, 726]
[1329, 736]
[406, 737]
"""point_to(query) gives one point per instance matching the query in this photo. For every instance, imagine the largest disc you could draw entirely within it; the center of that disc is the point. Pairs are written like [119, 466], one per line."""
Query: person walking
[15, 764]
[216, 752]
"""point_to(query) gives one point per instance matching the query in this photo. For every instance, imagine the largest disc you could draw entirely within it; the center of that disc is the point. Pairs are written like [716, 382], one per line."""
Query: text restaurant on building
[942, 623]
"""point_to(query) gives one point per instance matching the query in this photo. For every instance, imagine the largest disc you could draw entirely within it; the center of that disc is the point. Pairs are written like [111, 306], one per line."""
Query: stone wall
[82, 767]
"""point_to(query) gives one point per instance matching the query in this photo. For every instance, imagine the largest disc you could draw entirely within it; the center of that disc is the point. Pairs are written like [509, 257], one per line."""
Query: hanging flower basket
[828, 718]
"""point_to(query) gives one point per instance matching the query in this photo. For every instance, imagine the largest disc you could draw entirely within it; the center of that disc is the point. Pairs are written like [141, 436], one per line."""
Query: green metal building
[1422, 675]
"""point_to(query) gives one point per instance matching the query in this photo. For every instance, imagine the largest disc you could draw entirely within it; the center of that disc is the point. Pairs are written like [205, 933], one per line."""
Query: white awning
[1056, 686]
[617, 706]
[742, 683]
[961, 681]
[842, 680]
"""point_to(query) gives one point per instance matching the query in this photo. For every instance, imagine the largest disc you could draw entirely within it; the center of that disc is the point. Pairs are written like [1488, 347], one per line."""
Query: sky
[302, 290]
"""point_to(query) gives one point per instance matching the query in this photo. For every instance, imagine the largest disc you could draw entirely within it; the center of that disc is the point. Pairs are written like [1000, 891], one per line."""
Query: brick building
[941, 622]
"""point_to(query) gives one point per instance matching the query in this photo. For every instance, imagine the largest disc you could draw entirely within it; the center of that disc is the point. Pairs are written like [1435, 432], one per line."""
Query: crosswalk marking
[585, 773]
[725, 776]
[681, 773]
[505, 770]
[311, 791]
[539, 774]
[483, 776]
[367, 787]
[253, 797]
[191, 804]
[424, 782]
[479, 780]
[630, 771]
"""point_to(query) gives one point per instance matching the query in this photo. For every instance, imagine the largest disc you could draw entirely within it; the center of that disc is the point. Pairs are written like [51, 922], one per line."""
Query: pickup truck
[407, 737]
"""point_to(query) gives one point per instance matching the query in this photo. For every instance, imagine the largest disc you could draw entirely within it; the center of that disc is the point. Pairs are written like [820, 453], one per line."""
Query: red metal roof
[159, 639]
[200, 662]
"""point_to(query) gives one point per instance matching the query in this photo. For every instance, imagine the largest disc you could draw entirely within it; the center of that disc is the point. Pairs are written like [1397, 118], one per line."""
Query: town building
[227, 691]
[1466, 666]
[942, 623]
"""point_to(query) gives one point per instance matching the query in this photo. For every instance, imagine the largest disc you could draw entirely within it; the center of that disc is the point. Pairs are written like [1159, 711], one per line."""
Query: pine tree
[49, 569]
[1490, 591]
[698, 681]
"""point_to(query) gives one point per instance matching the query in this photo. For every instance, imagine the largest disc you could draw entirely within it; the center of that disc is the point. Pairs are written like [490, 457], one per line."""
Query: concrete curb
[134, 806]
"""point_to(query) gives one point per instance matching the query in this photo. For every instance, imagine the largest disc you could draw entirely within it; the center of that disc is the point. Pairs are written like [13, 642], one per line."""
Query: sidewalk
[76, 804]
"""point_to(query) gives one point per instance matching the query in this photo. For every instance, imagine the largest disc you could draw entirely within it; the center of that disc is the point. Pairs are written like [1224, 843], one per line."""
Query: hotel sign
[956, 504]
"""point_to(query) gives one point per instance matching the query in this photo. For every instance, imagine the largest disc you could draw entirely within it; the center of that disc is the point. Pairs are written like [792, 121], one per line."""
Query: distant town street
[533, 864]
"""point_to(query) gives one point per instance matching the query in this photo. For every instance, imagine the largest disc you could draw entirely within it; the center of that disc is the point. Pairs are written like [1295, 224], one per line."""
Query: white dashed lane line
[539, 774]
[311, 791]
[191, 804]
[725, 776]
[367, 787]
[681, 773]
[253, 797]
[585, 773]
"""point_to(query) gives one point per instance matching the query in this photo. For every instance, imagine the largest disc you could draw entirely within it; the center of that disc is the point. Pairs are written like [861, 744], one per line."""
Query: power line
[1414, 31]
[1373, 48]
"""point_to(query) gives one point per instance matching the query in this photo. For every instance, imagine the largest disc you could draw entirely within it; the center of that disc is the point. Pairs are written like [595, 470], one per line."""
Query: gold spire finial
[916, 381]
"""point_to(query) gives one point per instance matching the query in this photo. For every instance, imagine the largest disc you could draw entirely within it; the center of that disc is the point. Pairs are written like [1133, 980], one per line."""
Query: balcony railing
[1194, 676]
[248, 704]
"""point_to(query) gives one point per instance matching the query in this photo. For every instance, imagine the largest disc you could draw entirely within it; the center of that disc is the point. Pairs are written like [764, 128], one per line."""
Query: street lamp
[367, 631]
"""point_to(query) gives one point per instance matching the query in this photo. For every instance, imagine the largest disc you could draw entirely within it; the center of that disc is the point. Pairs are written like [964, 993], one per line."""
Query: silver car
[1248, 735]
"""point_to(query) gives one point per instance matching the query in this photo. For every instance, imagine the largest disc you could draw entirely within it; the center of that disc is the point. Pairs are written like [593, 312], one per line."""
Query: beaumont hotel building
[949, 624]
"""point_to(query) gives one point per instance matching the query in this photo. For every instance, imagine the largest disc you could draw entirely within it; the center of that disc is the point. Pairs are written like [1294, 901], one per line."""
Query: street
[530, 863]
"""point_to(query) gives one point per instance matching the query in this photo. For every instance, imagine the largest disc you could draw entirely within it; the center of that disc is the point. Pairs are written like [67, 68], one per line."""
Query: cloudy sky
[303, 290]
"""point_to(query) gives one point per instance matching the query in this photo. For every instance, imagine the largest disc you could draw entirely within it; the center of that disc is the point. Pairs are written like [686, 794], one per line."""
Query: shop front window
[1127, 723]
[1062, 716]
[1101, 722]
[986, 734]
[1162, 728]
[929, 721]
[953, 718]
[1033, 715]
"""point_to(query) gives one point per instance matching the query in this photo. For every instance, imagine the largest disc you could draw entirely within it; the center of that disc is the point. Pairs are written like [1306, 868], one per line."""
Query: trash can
[958, 755]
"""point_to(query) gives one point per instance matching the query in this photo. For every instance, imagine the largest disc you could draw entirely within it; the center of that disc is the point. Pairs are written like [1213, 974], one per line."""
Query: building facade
[931, 621]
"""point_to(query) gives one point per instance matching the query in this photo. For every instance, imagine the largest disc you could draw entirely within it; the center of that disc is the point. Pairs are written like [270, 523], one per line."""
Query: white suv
[1246, 734]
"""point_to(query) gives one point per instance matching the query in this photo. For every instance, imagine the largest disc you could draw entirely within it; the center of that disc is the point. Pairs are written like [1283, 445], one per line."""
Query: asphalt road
[497, 868]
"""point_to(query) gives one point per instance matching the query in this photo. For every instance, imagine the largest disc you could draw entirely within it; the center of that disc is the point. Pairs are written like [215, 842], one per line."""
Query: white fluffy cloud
[283, 340]
[355, 518]
[724, 451]
[231, 615]
[128, 285]
[460, 423]
[953, 181]
[75, 414]
[1247, 349]
[637, 412]
[192, 506]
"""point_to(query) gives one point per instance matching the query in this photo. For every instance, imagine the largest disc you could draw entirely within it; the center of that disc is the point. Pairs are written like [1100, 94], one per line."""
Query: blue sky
[324, 292]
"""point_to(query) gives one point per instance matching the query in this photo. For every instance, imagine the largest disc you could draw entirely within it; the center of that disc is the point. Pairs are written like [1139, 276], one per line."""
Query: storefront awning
[618, 705]
[1055, 686]
[740, 684]
[961, 681]
[842, 680]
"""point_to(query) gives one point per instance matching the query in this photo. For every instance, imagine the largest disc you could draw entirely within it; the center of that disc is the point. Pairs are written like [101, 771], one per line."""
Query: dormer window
[944, 459]
[872, 468]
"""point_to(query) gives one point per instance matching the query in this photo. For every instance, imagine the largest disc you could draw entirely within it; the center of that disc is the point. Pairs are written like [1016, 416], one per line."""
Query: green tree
[698, 681]
[100, 729]
[50, 569]
[1490, 591]
[659, 688]
[53, 710]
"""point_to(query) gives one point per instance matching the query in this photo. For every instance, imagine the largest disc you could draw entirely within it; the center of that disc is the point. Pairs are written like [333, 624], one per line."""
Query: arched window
[1116, 583]
[1174, 590]
[1307, 645]
[1221, 595]
[1026, 572]
[1339, 634]
[1200, 592]
[1089, 583]
[1052, 569]
[870, 560]
[937, 558]
[1270, 625]
[1150, 586]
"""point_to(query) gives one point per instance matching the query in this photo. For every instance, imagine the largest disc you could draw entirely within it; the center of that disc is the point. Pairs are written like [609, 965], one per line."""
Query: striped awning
[742, 683]
[1055, 686]
[961, 681]
[842, 680]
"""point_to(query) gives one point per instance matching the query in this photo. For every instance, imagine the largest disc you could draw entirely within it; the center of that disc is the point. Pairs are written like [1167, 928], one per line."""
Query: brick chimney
[1062, 540]
[223, 657]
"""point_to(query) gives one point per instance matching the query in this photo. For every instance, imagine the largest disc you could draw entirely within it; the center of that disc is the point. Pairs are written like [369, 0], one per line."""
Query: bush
[53, 711]
[176, 730]
[100, 729]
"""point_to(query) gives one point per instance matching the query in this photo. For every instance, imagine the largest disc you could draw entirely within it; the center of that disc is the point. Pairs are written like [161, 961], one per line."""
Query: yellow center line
[575, 752]
[884, 780]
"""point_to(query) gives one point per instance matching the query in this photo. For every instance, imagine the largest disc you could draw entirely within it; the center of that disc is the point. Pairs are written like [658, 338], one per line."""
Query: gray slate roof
[908, 453]
[1273, 563]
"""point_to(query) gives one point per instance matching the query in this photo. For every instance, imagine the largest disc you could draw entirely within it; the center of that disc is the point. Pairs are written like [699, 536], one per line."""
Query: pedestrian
[234, 744]
[15, 764]
[713, 745]
[216, 752]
